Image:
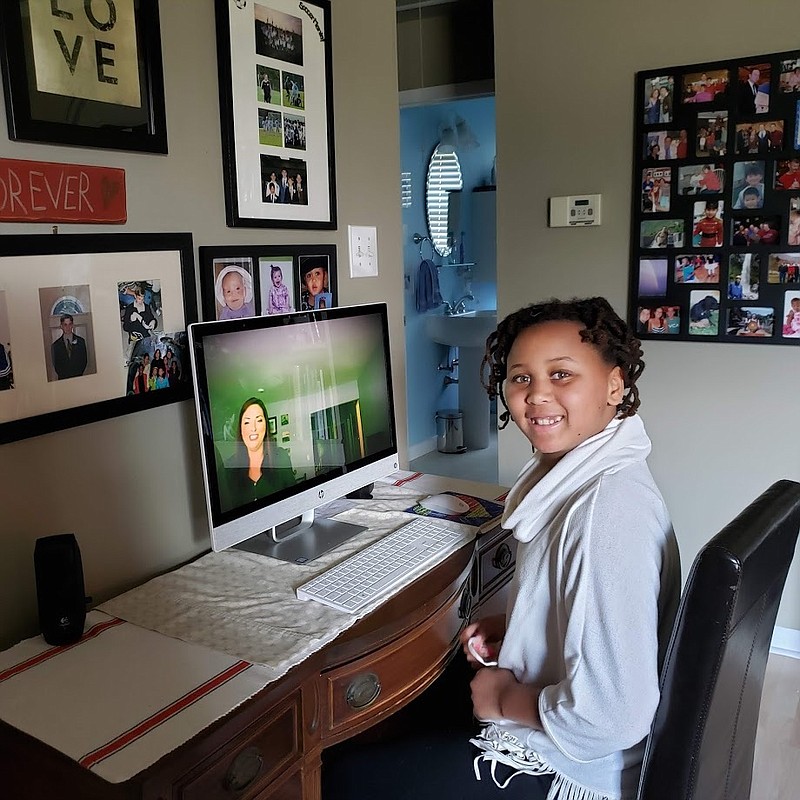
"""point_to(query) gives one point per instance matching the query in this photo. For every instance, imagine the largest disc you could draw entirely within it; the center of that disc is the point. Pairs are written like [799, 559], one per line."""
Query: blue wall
[419, 134]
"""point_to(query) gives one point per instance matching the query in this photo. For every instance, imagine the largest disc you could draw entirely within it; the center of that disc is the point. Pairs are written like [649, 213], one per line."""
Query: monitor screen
[293, 411]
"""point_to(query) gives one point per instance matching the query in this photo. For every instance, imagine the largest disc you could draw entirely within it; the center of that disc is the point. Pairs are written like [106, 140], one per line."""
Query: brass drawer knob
[363, 690]
[502, 557]
[244, 769]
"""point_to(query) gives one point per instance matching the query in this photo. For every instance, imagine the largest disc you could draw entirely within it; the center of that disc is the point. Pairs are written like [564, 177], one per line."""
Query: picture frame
[272, 424]
[264, 280]
[715, 233]
[74, 78]
[87, 321]
[276, 138]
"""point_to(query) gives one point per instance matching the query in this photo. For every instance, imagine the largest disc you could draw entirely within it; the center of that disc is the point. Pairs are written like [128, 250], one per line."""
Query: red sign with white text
[43, 191]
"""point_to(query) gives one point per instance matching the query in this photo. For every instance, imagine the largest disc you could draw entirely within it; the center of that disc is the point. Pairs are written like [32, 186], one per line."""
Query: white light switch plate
[363, 251]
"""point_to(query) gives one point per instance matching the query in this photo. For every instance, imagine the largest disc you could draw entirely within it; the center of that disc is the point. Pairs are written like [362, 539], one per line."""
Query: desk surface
[150, 703]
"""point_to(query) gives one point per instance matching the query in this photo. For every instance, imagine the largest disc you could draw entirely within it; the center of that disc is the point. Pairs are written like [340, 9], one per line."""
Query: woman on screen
[259, 467]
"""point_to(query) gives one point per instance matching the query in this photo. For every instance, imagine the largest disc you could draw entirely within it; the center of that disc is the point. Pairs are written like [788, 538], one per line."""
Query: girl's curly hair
[602, 327]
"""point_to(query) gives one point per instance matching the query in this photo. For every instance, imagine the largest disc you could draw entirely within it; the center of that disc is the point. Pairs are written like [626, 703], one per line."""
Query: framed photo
[86, 74]
[261, 280]
[92, 327]
[272, 423]
[715, 202]
[276, 113]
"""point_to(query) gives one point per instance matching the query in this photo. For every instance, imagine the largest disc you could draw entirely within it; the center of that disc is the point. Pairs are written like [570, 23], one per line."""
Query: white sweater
[592, 604]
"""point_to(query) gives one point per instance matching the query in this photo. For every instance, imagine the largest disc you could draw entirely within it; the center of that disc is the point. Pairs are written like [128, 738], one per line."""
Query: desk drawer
[496, 562]
[245, 767]
[363, 691]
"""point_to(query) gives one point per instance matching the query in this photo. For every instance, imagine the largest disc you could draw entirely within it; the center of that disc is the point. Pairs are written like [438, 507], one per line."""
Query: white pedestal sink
[468, 333]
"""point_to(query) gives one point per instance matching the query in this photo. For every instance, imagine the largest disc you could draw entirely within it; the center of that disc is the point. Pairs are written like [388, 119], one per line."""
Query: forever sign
[86, 49]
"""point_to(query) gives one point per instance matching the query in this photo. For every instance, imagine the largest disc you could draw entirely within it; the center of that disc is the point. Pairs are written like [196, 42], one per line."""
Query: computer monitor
[293, 411]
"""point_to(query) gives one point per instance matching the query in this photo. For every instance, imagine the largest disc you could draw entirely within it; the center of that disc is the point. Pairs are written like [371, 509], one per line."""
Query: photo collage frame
[715, 245]
[261, 280]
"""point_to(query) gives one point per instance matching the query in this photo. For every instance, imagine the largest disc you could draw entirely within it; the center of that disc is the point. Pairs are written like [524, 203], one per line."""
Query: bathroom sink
[462, 330]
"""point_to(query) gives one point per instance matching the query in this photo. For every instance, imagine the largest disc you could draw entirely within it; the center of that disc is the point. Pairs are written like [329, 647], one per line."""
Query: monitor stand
[303, 541]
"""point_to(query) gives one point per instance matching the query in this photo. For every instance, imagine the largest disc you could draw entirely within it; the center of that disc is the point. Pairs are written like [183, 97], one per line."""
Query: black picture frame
[120, 108]
[255, 266]
[265, 130]
[711, 244]
[105, 269]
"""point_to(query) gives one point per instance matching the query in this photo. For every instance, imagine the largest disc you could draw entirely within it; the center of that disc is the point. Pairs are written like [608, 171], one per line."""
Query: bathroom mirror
[444, 176]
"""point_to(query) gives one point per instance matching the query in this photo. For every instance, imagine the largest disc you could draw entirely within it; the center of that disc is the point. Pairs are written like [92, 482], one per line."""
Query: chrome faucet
[459, 306]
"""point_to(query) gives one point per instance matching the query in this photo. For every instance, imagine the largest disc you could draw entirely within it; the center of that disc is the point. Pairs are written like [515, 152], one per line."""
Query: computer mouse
[444, 504]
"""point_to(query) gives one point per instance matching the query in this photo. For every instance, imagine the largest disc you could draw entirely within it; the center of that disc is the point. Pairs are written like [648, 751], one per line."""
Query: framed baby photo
[276, 103]
[86, 74]
[715, 201]
[92, 327]
[263, 280]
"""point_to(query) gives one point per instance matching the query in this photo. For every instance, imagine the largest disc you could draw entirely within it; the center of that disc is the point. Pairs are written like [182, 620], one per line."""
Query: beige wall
[721, 417]
[130, 488]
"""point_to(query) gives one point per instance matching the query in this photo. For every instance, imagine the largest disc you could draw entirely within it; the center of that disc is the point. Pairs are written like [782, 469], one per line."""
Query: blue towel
[427, 293]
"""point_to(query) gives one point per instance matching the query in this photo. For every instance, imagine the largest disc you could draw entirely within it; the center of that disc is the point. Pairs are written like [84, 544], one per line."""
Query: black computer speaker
[59, 588]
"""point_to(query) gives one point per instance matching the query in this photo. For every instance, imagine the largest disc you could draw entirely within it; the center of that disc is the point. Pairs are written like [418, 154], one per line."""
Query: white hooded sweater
[592, 604]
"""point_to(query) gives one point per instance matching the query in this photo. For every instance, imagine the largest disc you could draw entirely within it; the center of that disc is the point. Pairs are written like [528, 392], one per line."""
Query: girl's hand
[487, 687]
[487, 634]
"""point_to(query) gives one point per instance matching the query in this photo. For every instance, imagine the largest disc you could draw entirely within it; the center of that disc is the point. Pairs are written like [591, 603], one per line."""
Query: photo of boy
[743, 280]
[656, 189]
[701, 179]
[294, 91]
[753, 95]
[787, 174]
[233, 288]
[712, 134]
[707, 230]
[750, 321]
[661, 233]
[658, 94]
[783, 268]
[791, 316]
[703, 313]
[703, 87]
[270, 131]
[794, 222]
[314, 281]
[748, 184]
[267, 84]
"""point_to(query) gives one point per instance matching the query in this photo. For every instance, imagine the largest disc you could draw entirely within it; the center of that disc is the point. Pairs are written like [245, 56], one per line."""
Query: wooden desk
[270, 746]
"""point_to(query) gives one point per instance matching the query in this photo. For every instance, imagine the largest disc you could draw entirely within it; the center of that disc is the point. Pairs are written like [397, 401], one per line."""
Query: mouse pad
[481, 513]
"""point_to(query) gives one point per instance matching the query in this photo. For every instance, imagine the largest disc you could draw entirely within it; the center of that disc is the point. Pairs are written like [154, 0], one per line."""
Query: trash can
[450, 431]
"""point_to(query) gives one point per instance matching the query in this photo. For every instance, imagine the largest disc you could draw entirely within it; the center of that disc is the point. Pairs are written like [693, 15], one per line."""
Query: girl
[568, 707]
[278, 300]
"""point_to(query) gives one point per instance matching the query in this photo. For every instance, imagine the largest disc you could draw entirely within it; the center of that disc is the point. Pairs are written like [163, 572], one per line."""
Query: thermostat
[576, 209]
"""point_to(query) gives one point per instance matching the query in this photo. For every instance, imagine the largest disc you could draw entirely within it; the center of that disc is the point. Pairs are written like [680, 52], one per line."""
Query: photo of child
[712, 134]
[652, 277]
[658, 98]
[233, 288]
[656, 189]
[703, 87]
[703, 313]
[139, 311]
[707, 222]
[267, 84]
[701, 179]
[275, 279]
[750, 321]
[791, 312]
[314, 281]
[748, 184]
[270, 130]
[743, 272]
[787, 174]
[783, 268]
[699, 268]
[794, 222]
[661, 233]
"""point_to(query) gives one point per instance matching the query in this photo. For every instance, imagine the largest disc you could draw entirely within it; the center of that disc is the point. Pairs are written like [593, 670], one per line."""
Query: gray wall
[130, 488]
[721, 417]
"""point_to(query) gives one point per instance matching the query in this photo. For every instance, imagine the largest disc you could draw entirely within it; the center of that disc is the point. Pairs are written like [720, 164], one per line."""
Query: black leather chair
[703, 736]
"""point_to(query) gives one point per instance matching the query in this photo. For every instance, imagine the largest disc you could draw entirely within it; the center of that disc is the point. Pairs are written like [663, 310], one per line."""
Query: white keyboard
[374, 572]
